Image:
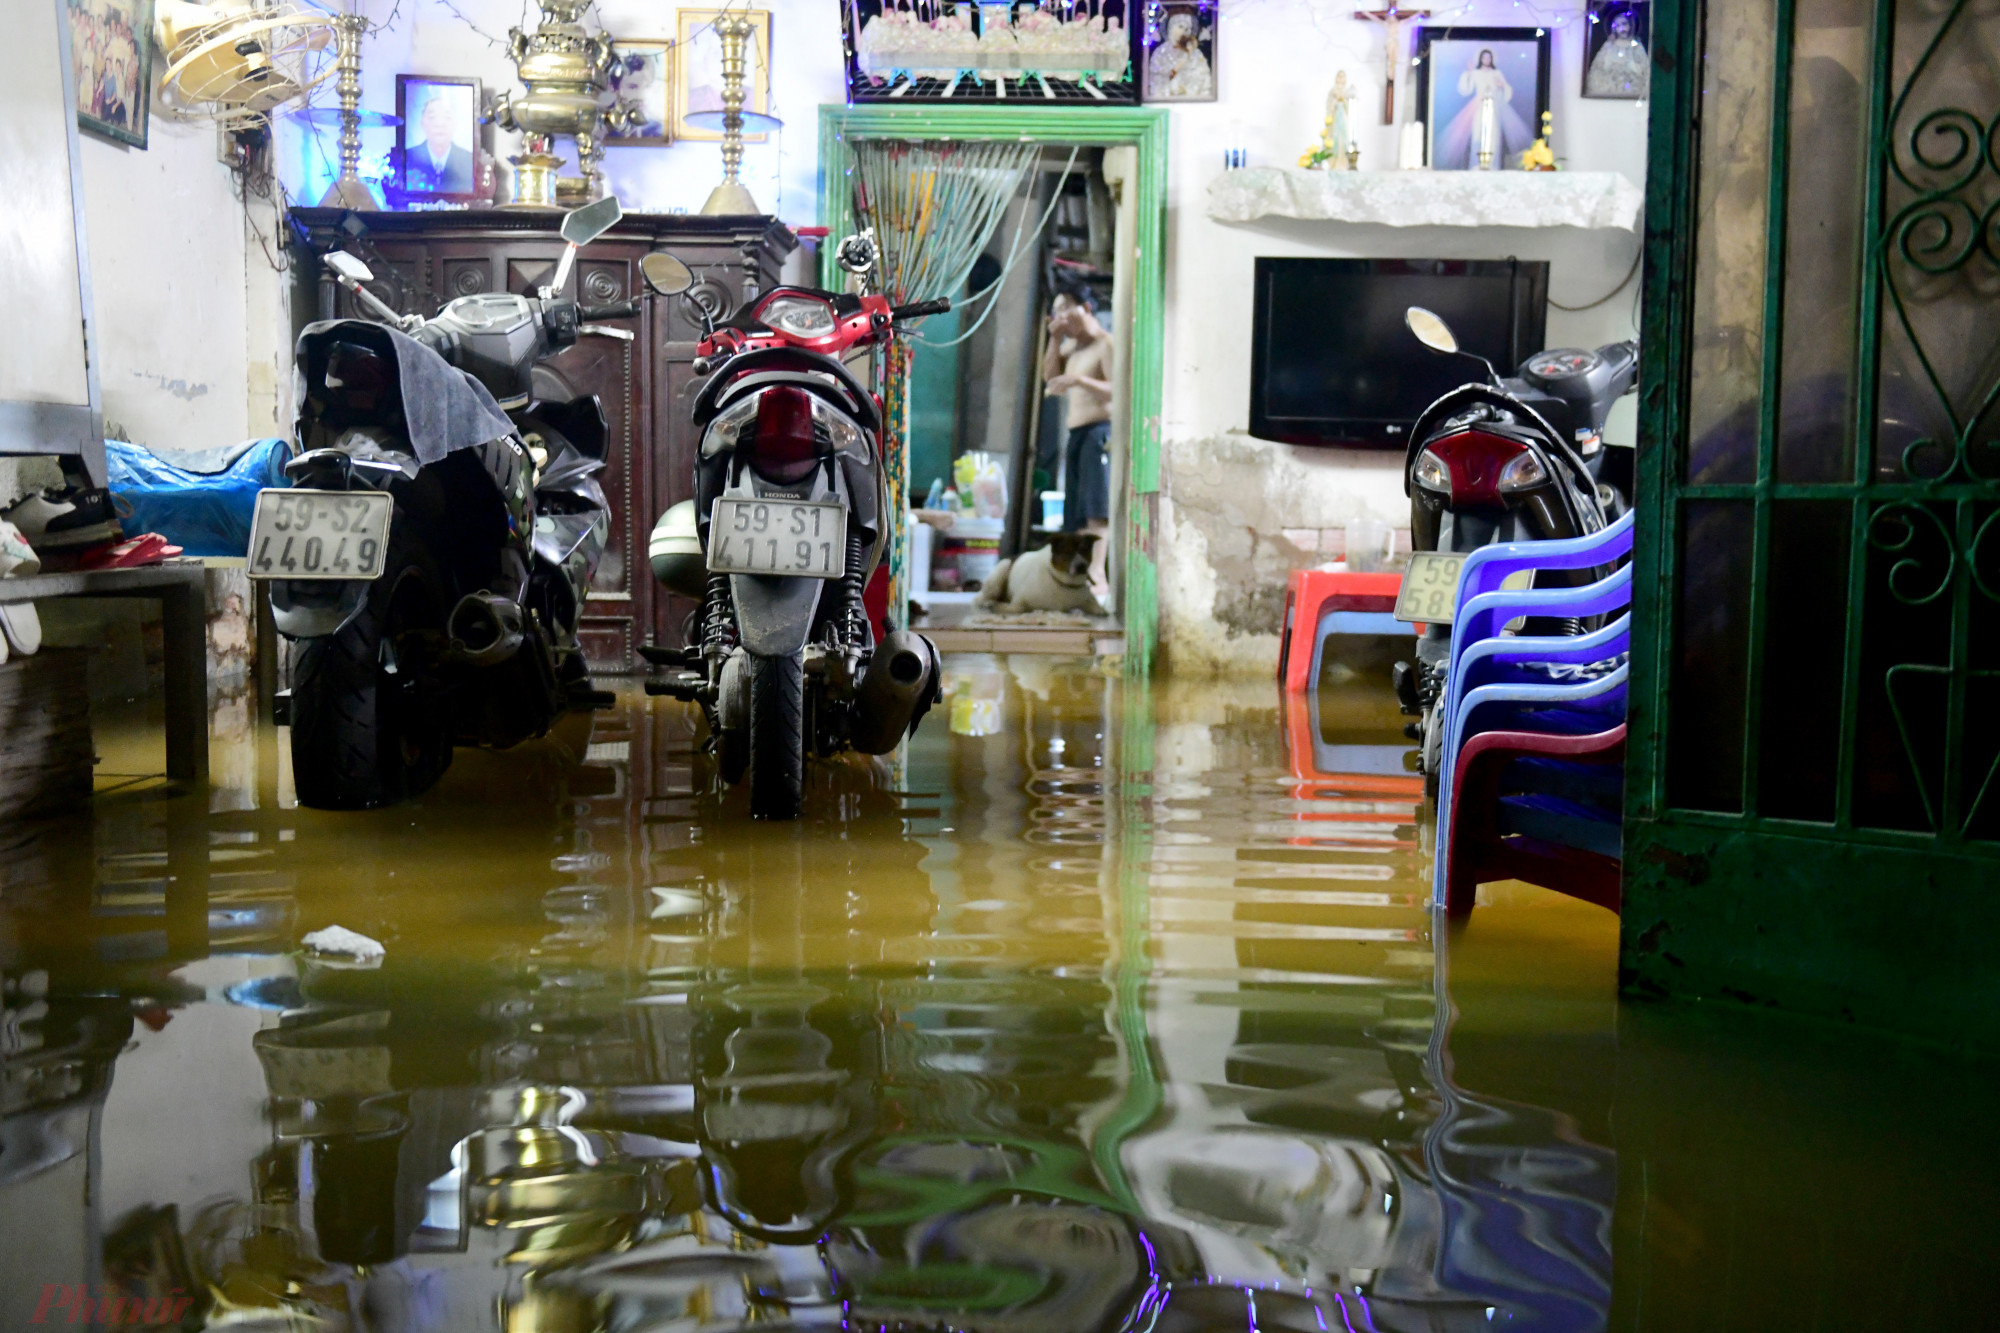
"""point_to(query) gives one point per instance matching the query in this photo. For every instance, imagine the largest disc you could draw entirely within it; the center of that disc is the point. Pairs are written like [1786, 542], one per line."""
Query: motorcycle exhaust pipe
[485, 629]
[897, 688]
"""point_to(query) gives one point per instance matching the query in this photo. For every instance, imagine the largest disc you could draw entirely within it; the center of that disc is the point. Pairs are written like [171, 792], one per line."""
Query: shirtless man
[1077, 365]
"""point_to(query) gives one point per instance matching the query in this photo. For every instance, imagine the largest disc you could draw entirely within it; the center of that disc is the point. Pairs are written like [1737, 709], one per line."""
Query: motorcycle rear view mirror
[347, 266]
[1431, 330]
[665, 274]
[583, 225]
[580, 227]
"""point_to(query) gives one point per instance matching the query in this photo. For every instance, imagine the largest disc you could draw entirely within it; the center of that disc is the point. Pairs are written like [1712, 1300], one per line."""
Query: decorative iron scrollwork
[1895, 528]
[1940, 232]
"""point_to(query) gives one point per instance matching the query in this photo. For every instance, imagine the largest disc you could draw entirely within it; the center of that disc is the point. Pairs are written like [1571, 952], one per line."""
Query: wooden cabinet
[422, 260]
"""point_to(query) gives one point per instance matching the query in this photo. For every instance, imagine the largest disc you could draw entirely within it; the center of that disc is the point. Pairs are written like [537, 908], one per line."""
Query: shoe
[20, 629]
[17, 558]
[148, 548]
[56, 520]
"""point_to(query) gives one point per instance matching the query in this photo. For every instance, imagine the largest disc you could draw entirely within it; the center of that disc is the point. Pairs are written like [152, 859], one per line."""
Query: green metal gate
[1813, 800]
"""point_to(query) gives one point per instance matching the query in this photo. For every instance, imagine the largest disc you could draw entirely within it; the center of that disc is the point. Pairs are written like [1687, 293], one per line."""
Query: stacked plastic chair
[1534, 726]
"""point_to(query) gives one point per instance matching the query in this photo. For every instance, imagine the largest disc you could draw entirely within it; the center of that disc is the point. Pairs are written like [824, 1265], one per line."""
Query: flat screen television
[1331, 362]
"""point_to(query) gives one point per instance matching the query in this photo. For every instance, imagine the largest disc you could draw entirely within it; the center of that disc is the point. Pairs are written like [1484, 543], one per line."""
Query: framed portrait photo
[1177, 50]
[1482, 92]
[111, 47]
[437, 156]
[1617, 48]
[641, 80]
[697, 72]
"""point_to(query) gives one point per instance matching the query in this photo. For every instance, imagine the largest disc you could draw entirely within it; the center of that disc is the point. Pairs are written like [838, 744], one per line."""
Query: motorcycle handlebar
[621, 310]
[918, 309]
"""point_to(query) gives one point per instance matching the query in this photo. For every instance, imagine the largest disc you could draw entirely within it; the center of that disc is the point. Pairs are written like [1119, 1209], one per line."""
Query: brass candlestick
[348, 189]
[730, 197]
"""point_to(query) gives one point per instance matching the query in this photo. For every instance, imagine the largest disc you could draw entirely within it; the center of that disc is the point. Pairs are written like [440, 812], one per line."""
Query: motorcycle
[430, 559]
[788, 521]
[1505, 460]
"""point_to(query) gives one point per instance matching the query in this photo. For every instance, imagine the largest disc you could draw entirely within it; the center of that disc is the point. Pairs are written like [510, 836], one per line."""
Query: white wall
[167, 272]
[1238, 513]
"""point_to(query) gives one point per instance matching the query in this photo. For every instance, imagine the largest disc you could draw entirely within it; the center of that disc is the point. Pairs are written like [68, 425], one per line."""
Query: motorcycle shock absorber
[718, 630]
[853, 611]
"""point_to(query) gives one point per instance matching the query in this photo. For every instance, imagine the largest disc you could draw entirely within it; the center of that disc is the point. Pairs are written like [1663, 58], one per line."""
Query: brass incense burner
[563, 68]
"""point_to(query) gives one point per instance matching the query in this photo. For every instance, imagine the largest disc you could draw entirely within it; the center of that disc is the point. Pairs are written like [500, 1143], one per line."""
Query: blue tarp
[200, 501]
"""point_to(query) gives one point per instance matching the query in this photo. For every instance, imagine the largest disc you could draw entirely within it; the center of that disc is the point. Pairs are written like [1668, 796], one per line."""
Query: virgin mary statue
[1487, 118]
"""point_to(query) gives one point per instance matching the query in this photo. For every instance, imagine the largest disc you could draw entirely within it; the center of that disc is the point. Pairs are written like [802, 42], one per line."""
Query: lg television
[1331, 362]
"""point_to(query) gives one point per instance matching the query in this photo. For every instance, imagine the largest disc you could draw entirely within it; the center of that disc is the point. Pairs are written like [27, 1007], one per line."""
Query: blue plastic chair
[1488, 567]
[1483, 616]
[1578, 708]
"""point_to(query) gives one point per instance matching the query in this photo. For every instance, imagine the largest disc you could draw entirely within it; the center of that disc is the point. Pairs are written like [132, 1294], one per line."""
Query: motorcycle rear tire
[777, 736]
[360, 737]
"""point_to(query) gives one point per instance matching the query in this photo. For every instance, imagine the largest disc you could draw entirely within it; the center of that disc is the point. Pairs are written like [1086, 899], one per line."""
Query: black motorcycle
[788, 521]
[1505, 460]
[431, 557]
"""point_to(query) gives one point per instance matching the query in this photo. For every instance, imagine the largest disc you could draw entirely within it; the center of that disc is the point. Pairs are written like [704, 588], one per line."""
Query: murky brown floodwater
[1119, 1009]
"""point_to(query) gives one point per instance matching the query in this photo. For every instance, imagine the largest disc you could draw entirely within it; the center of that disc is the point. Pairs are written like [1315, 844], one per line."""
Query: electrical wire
[1014, 254]
[1629, 275]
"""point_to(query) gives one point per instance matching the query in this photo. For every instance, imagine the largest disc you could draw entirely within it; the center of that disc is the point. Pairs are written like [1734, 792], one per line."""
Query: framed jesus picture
[1482, 92]
[111, 47]
[1617, 52]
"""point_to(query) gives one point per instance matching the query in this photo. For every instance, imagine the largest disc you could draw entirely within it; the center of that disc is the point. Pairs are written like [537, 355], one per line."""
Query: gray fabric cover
[445, 408]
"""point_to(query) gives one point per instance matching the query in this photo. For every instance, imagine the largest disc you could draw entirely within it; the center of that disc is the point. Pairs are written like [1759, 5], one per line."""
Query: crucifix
[1391, 20]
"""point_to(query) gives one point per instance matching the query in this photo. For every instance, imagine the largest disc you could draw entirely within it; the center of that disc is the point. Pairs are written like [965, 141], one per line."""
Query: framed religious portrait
[111, 48]
[641, 80]
[1617, 48]
[1177, 50]
[697, 72]
[437, 157]
[1482, 92]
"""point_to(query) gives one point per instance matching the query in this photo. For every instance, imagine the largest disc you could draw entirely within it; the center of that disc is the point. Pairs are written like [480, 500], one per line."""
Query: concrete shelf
[1593, 200]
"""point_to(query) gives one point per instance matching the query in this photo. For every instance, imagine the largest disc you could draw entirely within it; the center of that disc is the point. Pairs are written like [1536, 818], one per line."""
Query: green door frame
[1886, 927]
[1143, 128]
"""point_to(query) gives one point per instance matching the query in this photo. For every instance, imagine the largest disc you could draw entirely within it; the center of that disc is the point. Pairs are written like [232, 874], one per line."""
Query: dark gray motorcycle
[431, 557]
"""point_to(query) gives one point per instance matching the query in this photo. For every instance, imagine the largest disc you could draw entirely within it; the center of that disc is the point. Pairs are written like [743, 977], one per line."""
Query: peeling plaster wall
[1237, 514]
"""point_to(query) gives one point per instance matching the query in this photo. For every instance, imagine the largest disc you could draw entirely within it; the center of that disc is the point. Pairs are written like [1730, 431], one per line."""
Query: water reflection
[1112, 1010]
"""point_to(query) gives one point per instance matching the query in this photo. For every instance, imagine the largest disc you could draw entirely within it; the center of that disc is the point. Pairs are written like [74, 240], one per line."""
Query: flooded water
[1113, 1009]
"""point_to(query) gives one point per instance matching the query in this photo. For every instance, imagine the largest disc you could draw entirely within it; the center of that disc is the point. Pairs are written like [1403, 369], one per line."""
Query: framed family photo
[641, 82]
[1618, 45]
[697, 72]
[1177, 51]
[111, 47]
[438, 157]
[1482, 92]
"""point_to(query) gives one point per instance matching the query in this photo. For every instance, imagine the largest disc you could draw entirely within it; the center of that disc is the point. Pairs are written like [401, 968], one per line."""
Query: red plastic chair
[1487, 841]
[1313, 594]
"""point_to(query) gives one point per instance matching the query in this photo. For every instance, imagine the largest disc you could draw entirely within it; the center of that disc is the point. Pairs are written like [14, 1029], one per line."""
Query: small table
[1320, 603]
[182, 591]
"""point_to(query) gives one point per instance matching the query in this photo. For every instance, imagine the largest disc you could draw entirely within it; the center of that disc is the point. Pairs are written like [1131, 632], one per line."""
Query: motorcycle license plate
[297, 534]
[778, 537]
[1430, 587]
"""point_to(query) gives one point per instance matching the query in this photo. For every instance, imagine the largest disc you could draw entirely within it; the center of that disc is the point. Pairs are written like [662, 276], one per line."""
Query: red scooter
[788, 521]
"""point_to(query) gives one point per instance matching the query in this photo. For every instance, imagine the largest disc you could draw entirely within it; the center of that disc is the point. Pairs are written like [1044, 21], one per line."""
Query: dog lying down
[1054, 578]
